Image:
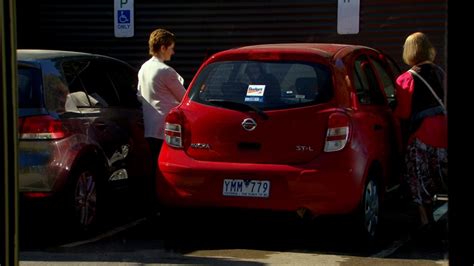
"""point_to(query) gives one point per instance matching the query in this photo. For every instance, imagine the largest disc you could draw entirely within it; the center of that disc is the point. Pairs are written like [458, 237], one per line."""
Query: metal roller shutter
[205, 27]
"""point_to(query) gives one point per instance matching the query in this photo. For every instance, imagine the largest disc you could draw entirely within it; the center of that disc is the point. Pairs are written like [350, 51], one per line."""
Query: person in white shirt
[160, 88]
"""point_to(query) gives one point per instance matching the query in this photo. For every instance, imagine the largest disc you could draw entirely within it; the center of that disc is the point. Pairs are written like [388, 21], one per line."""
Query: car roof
[327, 50]
[41, 54]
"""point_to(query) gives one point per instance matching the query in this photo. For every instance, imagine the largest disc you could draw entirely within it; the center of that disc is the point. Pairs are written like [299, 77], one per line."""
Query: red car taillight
[41, 127]
[174, 129]
[338, 132]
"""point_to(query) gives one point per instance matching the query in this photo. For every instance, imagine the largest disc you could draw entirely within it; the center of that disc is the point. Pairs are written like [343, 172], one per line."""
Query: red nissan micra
[289, 127]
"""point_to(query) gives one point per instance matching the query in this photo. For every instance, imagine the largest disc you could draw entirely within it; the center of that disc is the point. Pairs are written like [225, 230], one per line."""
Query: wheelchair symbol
[124, 16]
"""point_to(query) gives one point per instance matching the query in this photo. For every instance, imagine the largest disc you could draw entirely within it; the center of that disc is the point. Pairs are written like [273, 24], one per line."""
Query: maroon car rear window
[266, 85]
[29, 87]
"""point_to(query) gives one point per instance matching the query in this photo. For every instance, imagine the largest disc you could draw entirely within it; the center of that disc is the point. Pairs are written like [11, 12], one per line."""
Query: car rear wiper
[238, 106]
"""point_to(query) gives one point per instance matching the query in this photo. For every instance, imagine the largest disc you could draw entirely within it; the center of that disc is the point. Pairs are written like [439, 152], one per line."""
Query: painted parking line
[106, 234]
[394, 247]
[437, 215]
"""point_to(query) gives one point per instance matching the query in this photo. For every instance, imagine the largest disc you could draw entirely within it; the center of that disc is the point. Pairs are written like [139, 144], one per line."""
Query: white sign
[123, 18]
[348, 16]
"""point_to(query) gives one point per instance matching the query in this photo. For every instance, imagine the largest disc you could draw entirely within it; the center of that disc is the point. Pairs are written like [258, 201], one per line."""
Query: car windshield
[264, 85]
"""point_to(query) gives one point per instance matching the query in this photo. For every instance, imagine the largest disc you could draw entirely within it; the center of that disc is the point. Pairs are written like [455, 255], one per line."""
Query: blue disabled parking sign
[123, 18]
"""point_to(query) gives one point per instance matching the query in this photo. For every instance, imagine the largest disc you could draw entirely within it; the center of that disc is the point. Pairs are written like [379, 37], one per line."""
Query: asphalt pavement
[195, 237]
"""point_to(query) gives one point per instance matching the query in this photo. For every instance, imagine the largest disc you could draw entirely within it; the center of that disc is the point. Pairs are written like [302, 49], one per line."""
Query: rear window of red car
[266, 85]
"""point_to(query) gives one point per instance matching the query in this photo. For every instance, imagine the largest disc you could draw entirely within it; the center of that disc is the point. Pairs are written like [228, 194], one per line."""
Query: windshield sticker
[255, 93]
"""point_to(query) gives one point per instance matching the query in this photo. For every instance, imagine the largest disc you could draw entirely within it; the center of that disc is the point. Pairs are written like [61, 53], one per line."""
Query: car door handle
[378, 127]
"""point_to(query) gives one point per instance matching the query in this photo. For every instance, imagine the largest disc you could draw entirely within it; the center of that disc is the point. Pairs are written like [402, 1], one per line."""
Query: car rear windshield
[265, 85]
[29, 87]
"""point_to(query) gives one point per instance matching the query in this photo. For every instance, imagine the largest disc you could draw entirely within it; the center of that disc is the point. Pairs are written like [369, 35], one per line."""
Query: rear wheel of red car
[368, 214]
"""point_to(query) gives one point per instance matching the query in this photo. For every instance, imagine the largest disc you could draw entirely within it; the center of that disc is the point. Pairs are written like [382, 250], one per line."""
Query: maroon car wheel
[85, 199]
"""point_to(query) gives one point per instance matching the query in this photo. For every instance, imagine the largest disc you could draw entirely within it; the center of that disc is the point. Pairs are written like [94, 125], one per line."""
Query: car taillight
[41, 127]
[173, 129]
[36, 195]
[338, 132]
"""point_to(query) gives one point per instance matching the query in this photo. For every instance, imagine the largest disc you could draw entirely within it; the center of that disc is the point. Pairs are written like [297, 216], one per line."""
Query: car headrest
[307, 87]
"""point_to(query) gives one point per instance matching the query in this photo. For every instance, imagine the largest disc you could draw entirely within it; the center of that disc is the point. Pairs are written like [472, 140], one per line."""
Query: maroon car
[81, 143]
[312, 132]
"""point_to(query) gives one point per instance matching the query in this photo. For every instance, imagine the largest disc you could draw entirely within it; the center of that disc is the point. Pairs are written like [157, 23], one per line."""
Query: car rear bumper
[44, 165]
[320, 187]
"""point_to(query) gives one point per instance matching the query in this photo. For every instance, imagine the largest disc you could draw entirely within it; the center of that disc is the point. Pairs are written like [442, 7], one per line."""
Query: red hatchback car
[288, 127]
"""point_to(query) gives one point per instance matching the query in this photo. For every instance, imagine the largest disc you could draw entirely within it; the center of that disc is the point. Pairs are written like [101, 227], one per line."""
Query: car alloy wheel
[371, 208]
[85, 199]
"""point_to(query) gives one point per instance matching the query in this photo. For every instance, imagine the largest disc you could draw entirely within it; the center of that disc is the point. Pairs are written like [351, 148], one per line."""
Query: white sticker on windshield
[255, 93]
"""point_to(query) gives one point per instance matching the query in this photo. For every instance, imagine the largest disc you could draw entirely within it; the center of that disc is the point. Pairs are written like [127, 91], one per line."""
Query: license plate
[246, 188]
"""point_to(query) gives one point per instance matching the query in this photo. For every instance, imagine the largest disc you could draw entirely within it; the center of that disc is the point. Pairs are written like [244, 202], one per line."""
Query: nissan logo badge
[249, 124]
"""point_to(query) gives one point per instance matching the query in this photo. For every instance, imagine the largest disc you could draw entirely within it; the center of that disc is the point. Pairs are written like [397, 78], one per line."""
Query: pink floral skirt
[426, 171]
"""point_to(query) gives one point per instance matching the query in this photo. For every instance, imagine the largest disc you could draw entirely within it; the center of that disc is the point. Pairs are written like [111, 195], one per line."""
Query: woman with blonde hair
[420, 105]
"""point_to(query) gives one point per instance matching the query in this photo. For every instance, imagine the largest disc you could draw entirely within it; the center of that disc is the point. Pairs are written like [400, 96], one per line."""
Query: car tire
[368, 212]
[83, 197]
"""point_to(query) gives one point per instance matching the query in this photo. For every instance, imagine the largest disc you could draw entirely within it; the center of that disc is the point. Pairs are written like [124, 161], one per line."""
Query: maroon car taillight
[41, 127]
[36, 195]
[338, 132]
[173, 129]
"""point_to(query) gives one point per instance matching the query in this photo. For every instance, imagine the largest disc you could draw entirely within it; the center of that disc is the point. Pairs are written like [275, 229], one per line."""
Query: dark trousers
[155, 147]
